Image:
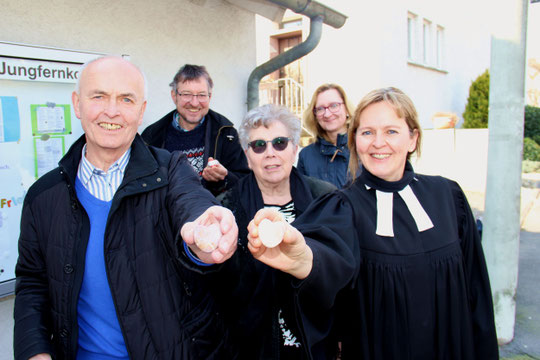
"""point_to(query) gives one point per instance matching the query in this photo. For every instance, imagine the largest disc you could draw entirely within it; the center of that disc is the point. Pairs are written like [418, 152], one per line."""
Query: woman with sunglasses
[393, 262]
[251, 301]
[327, 118]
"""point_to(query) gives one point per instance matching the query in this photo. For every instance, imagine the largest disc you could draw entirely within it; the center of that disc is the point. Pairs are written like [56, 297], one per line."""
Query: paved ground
[527, 329]
[526, 343]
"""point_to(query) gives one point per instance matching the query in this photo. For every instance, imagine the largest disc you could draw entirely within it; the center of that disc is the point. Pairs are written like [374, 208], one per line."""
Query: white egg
[271, 233]
[207, 237]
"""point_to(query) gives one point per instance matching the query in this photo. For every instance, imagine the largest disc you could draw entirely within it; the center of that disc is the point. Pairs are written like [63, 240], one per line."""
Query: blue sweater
[100, 336]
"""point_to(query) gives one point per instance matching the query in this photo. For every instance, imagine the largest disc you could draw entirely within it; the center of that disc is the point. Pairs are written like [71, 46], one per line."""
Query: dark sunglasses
[259, 146]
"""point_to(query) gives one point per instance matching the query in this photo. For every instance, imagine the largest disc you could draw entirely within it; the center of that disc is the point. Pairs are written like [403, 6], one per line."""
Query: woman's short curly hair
[264, 116]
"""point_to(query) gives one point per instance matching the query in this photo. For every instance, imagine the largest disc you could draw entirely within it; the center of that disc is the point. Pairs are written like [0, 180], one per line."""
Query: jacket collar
[341, 141]
[142, 163]
[252, 200]
[373, 181]
[329, 149]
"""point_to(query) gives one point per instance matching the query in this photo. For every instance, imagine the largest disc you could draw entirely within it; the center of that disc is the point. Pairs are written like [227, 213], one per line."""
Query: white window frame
[426, 41]
[412, 36]
[439, 47]
[427, 44]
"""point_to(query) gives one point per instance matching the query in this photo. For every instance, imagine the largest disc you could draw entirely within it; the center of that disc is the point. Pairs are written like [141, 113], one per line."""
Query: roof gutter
[311, 9]
[318, 15]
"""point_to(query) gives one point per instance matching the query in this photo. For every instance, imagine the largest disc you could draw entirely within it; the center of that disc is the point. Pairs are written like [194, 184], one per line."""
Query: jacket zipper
[217, 138]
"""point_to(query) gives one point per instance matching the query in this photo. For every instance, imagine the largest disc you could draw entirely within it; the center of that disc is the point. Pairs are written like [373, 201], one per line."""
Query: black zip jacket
[250, 292]
[221, 143]
[164, 310]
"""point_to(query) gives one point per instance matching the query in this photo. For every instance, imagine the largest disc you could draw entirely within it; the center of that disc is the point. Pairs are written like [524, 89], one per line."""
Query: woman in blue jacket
[327, 119]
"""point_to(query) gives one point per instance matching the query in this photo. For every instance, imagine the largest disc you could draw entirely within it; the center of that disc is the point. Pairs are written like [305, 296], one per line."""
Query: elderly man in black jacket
[208, 138]
[108, 267]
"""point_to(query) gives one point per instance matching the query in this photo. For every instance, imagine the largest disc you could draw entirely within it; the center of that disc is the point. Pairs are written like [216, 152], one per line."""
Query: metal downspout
[315, 31]
[311, 8]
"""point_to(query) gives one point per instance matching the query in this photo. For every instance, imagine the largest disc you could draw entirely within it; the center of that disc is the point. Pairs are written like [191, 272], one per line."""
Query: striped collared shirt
[102, 184]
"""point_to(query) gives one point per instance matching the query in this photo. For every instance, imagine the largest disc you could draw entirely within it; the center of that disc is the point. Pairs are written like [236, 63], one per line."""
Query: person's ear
[414, 139]
[75, 99]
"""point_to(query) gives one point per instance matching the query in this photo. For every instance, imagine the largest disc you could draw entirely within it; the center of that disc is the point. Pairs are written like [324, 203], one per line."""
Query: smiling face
[110, 104]
[383, 141]
[271, 168]
[192, 111]
[332, 123]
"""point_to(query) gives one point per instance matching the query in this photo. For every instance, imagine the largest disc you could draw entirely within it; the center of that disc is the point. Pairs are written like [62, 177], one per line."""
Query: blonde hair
[404, 108]
[310, 121]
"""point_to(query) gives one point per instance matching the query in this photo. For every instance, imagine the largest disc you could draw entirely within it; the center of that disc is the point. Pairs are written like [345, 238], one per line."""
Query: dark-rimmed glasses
[333, 107]
[259, 146]
[187, 97]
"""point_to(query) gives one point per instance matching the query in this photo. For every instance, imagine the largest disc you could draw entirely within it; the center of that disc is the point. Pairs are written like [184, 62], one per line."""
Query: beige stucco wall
[159, 36]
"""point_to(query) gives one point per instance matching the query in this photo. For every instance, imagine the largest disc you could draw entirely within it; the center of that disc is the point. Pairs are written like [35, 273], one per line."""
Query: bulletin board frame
[49, 65]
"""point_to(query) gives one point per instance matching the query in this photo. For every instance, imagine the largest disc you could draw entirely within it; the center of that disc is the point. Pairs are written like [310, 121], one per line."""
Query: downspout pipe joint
[283, 59]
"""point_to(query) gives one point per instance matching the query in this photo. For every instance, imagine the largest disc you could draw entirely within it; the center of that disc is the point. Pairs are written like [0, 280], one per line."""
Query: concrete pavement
[526, 340]
[527, 328]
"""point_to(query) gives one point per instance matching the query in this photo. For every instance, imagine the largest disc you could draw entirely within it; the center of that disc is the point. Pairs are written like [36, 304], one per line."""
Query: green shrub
[528, 166]
[477, 108]
[532, 123]
[531, 150]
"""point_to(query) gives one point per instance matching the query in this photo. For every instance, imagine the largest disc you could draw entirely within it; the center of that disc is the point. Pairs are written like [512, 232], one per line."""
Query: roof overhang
[264, 8]
[275, 9]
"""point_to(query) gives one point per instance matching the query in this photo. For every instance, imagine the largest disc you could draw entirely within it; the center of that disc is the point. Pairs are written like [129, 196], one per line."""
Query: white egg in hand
[271, 233]
[207, 237]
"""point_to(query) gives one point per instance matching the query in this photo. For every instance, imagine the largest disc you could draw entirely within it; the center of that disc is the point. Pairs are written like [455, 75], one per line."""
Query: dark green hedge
[531, 150]
[477, 108]
[532, 123]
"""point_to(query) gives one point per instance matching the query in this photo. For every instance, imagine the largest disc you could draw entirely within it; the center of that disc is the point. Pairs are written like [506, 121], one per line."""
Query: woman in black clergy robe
[394, 262]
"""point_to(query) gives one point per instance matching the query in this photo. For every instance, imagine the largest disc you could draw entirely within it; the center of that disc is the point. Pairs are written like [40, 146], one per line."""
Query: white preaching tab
[385, 204]
[423, 222]
[385, 211]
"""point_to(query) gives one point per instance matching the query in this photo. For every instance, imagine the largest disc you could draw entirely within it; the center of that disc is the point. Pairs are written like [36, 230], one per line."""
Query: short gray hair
[265, 115]
[86, 64]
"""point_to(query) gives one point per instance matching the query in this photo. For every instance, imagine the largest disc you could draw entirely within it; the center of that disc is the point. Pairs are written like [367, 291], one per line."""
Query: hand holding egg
[207, 235]
[278, 244]
[212, 237]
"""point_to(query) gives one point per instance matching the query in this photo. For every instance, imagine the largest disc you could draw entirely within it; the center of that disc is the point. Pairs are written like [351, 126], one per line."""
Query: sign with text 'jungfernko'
[38, 70]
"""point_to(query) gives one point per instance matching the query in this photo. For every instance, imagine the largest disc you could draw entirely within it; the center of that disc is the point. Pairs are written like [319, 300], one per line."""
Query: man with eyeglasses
[208, 138]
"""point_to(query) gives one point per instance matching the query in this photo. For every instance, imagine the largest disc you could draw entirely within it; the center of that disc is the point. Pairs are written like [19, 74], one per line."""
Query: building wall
[370, 51]
[457, 154]
[533, 56]
[160, 36]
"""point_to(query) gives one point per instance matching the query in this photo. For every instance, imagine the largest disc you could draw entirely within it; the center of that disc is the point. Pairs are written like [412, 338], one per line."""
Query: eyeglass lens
[189, 97]
[279, 144]
[333, 107]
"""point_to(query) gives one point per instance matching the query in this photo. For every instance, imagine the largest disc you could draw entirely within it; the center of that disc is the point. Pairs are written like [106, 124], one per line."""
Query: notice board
[37, 126]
